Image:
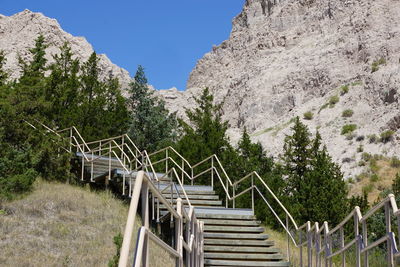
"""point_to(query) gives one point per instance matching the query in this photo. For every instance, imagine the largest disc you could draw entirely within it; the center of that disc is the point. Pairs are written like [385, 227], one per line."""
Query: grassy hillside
[377, 179]
[63, 225]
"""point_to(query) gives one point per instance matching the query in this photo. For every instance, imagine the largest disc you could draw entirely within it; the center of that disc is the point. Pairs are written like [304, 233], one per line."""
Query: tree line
[70, 92]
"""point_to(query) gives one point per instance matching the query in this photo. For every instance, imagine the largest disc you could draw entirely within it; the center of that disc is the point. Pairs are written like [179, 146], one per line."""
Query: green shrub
[374, 178]
[376, 63]
[347, 113]
[348, 128]
[372, 138]
[395, 162]
[344, 89]
[118, 244]
[324, 106]
[333, 100]
[356, 83]
[360, 148]
[366, 156]
[366, 189]
[387, 136]
[308, 115]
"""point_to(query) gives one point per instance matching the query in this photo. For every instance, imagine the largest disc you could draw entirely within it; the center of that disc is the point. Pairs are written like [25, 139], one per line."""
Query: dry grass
[386, 174]
[63, 225]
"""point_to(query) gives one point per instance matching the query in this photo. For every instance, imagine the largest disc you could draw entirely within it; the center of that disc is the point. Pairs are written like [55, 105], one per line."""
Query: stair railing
[318, 241]
[194, 229]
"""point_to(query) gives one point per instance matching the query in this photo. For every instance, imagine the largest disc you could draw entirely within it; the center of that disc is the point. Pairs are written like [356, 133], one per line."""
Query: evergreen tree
[151, 126]
[314, 183]
[3, 73]
[62, 88]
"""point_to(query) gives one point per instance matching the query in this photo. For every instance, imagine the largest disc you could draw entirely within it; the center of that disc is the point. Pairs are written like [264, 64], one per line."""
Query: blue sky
[166, 37]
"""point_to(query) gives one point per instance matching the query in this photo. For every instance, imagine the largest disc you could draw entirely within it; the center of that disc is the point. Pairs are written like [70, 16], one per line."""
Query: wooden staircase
[232, 237]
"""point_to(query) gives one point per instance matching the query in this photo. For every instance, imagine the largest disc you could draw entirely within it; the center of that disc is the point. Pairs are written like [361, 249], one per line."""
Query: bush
[366, 189]
[360, 148]
[348, 128]
[374, 178]
[308, 115]
[347, 113]
[118, 244]
[344, 89]
[333, 100]
[372, 138]
[366, 156]
[376, 63]
[387, 136]
[395, 162]
[360, 138]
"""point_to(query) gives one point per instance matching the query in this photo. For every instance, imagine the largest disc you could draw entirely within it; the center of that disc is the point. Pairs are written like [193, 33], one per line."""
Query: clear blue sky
[166, 37]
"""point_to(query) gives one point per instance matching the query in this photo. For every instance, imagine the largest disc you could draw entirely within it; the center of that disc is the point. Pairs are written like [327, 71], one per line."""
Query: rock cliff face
[18, 33]
[285, 58]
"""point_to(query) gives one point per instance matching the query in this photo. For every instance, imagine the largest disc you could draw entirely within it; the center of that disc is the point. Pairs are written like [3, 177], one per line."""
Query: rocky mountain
[285, 58]
[18, 33]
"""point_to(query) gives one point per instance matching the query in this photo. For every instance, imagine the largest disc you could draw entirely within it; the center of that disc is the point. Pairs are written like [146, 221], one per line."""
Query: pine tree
[151, 125]
[62, 89]
[3, 73]
[315, 187]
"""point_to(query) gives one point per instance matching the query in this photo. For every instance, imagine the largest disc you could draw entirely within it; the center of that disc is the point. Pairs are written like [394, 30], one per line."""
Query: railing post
[388, 231]
[192, 177]
[122, 146]
[91, 169]
[342, 246]
[166, 161]
[100, 148]
[301, 247]
[212, 173]
[109, 162]
[252, 193]
[83, 167]
[145, 218]
[287, 236]
[178, 232]
[365, 240]
[234, 198]
[309, 245]
[70, 140]
[358, 242]
[183, 169]
[123, 180]
[226, 198]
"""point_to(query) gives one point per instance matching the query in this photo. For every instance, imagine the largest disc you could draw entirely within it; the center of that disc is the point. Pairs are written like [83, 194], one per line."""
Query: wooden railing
[190, 241]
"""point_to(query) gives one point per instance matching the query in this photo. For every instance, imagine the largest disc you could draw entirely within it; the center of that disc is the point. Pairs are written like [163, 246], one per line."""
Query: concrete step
[244, 256]
[240, 229]
[241, 249]
[230, 222]
[243, 242]
[208, 235]
[231, 263]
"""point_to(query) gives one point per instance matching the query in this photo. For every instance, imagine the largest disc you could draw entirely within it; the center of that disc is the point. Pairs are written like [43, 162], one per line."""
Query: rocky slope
[285, 58]
[18, 33]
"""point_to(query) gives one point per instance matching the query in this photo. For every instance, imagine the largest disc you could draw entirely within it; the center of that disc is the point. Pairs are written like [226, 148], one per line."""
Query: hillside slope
[285, 58]
[64, 225]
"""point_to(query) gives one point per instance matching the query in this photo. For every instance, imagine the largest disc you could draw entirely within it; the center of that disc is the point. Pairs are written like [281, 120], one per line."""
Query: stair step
[212, 262]
[241, 249]
[243, 256]
[213, 228]
[234, 242]
[235, 236]
[230, 222]
[199, 201]
[205, 197]
[201, 215]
